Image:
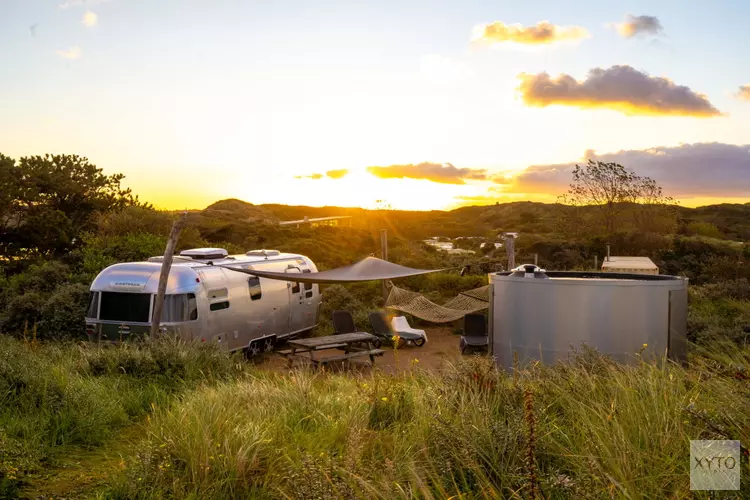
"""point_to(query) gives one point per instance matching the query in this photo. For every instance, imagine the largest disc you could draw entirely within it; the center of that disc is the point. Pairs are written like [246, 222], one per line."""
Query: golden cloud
[744, 92]
[71, 53]
[337, 174]
[639, 25]
[333, 174]
[701, 169]
[620, 88]
[435, 172]
[543, 33]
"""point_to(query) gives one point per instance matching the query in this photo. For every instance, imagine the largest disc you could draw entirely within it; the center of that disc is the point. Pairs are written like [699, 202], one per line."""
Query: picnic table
[351, 343]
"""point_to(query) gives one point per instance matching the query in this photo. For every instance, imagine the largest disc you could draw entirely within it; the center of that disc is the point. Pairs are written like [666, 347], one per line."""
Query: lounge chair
[401, 326]
[475, 333]
[382, 329]
[343, 322]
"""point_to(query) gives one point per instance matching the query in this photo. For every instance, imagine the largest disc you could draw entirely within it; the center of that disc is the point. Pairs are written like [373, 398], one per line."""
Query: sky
[420, 104]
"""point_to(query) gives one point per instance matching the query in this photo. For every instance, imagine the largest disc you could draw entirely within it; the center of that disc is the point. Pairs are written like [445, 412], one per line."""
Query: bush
[63, 313]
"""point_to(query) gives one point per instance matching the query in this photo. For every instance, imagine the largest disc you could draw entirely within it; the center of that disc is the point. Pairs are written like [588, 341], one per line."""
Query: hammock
[421, 307]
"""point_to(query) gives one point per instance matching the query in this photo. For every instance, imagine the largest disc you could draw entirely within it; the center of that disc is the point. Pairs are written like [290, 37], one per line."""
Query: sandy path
[440, 349]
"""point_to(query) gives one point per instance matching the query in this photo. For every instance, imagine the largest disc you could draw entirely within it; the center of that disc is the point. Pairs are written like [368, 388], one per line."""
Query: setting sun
[265, 101]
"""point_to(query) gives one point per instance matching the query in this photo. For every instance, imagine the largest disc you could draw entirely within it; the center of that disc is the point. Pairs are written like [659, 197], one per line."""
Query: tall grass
[587, 429]
[55, 395]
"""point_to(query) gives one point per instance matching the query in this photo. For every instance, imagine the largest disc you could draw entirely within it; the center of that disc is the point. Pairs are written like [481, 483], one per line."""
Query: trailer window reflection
[308, 286]
[254, 286]
[218, 306]
[126, 307]
[179, 308]
[93, 310]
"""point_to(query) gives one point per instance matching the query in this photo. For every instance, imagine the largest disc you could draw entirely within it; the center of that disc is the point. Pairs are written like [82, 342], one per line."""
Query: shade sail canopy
[368, 269]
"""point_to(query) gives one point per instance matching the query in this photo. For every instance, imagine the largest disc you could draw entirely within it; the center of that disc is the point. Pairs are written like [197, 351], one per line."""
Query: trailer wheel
[253, 349]
[269, 343]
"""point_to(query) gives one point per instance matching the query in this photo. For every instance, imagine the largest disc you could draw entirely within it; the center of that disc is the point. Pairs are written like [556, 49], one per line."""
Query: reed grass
[586, 429]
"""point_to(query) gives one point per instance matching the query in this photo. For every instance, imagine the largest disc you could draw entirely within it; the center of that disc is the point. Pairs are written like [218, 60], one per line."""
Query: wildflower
[384, 398]
[645, 345]
[415, 360]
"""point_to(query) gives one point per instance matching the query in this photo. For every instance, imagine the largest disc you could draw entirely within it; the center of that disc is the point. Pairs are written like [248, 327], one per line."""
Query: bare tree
[613, 191]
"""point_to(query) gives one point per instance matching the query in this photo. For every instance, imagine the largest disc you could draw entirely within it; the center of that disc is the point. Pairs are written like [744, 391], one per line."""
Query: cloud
[639, 25]
[71, 53]
[544, 33]
[441, 69]
[311, 176]
[89, 19]
[744, 92]
[67, 4]
[701, 169]
[435, 172]
[620, 88]
[333, 174]
[337, 174]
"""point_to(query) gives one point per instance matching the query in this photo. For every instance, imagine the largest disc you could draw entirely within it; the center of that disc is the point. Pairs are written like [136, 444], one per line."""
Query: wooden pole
[536, 259]
[166, 265]
[596, 263]
[384, 256]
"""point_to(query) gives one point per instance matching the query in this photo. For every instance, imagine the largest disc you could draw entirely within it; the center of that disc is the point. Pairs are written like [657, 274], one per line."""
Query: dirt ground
[441, 348]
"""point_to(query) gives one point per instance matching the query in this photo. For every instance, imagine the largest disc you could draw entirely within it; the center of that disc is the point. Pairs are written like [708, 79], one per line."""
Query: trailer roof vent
[205, 253]
[263, 253]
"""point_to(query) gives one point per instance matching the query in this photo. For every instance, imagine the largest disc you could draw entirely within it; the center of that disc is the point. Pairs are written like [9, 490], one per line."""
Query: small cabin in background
[633, 265]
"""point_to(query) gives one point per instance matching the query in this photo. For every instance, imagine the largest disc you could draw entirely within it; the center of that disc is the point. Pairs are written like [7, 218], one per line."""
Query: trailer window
[295, 287]
[179, 308]
[218, 306]
[126, 307]
[92, 311]
[308, 286]
[254, 286]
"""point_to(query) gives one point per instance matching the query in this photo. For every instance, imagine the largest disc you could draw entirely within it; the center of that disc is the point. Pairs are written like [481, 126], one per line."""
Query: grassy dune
[185, 421]
[57, 399]
[590, 429]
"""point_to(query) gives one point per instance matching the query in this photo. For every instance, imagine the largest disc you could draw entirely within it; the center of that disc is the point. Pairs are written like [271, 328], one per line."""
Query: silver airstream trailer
[206, 302]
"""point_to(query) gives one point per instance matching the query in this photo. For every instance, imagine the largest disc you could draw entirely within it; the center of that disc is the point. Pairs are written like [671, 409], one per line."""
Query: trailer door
[296, 302]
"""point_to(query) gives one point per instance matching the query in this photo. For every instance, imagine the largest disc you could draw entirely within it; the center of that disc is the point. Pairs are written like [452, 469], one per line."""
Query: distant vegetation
[193, 422]
[62, 220]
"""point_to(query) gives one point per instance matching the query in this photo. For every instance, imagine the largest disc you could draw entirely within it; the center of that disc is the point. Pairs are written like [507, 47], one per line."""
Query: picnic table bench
[350, 343]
